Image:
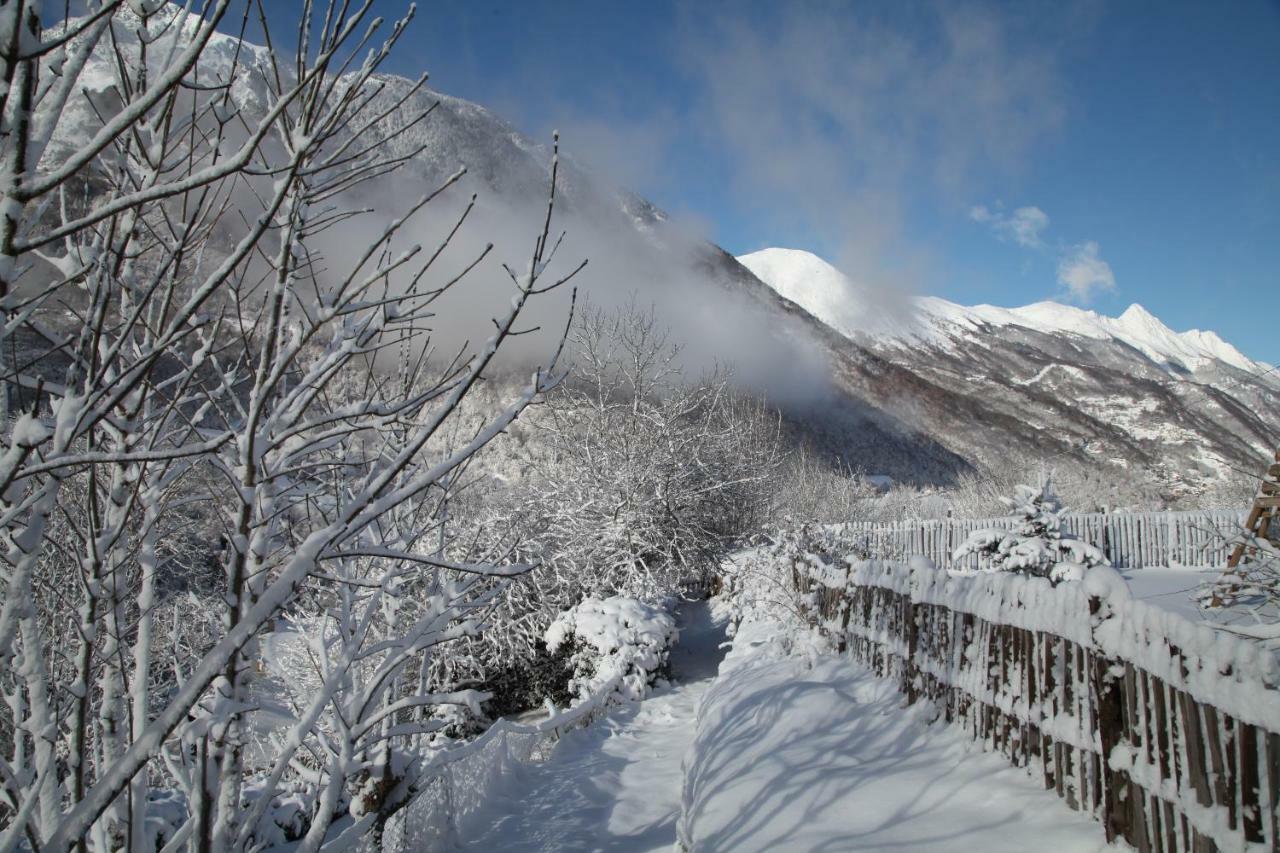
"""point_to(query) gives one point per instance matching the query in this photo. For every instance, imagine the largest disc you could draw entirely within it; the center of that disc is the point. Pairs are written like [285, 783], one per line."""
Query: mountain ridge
[919, 401]
[785, 269]
[1128, 391]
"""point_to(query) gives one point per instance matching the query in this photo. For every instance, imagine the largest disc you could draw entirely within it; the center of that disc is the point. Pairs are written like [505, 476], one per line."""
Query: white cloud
[841, 121]
[1083, 272]
[1025, 226]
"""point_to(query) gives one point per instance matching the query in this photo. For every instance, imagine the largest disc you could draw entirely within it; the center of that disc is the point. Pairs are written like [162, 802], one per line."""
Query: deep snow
[616, 784]
[802, 754]
[764, 750]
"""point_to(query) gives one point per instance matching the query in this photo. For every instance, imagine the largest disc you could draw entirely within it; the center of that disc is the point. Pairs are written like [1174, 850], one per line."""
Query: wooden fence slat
[1109, 700]
[1129, 540]
[1002, 683]
[1250, 799]
[1272, 800]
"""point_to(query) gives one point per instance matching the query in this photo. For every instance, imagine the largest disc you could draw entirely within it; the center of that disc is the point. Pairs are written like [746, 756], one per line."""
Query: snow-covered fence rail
[1129, 539]
[1164, 730]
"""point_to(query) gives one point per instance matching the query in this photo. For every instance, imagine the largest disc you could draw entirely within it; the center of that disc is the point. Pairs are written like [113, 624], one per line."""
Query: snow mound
[830, 296]
[621, 642]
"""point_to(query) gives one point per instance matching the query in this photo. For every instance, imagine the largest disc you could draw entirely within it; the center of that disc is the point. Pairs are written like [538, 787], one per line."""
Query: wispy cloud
[1083, 272]
[1025, 226]
[846, 121]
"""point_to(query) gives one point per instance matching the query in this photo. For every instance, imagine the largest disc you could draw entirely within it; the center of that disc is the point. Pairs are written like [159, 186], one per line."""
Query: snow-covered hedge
[620, 644]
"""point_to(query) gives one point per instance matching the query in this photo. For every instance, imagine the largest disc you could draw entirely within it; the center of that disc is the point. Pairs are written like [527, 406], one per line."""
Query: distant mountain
[919, 392]
[829, 295]
[1047, 377]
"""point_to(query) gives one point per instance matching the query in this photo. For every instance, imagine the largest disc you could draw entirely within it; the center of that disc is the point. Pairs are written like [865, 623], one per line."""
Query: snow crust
[829, 295]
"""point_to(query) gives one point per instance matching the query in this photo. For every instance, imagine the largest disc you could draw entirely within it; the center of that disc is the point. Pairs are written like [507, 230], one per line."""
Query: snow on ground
[614, 785]
[769, 750]
[818, 754]
[1174, 588]
[1170, 588]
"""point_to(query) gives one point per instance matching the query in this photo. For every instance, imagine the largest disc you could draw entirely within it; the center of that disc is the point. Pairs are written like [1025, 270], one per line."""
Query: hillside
[918, 394]
[1052, 378]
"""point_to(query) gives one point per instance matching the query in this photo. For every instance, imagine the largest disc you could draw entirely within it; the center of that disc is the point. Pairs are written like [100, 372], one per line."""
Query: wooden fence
[1129, 539]
[1164, 730]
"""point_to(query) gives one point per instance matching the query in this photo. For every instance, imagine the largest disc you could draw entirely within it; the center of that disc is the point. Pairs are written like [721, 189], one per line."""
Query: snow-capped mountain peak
[831, 297]
[828, 294]
[810, 282]
[1136, 315]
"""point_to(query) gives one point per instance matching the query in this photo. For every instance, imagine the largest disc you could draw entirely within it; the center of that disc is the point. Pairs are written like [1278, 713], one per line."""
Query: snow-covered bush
[763, 583]
[634, 479]
[1096, 487]
[620, 645]
[644, 473]
[812, 489]
[1037, 544]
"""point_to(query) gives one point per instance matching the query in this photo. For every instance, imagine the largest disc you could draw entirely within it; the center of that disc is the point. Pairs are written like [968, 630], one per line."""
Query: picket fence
[1164, 730]
[1129, 539]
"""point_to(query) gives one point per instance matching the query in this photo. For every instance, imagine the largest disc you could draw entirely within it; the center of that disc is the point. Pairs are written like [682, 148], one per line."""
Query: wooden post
[1109, 699]
[1251, 802]
[1264, 507]
[911, 631]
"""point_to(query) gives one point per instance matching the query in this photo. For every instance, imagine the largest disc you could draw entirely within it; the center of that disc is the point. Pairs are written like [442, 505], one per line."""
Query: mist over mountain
[920, 391]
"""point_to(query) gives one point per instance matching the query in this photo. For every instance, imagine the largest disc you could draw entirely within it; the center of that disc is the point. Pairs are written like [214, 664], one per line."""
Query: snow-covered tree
[214, 434]
[647, 470]
[808, 488]
[1036, 544]
[1085, 488]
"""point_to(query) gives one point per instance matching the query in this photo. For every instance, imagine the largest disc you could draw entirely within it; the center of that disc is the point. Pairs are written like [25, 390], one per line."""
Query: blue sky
[1100, 153]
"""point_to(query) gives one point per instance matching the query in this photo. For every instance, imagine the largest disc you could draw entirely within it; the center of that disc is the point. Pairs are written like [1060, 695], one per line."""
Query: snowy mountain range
[919, 391]
[827, 294]
[1127, 390]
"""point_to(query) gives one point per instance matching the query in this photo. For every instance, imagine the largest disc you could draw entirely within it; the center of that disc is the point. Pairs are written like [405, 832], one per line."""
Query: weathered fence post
[1108, 695]
[911, 633]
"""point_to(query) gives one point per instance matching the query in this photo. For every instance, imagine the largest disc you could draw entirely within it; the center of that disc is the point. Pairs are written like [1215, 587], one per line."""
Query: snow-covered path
[616, 784]
[818, 754]
[790, 753]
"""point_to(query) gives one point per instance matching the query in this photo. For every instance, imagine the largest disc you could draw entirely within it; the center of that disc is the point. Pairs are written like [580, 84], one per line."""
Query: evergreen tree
[1036, 545]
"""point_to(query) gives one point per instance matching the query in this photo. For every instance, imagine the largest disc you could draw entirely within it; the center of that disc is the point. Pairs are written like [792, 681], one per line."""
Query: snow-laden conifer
[1036, 544]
